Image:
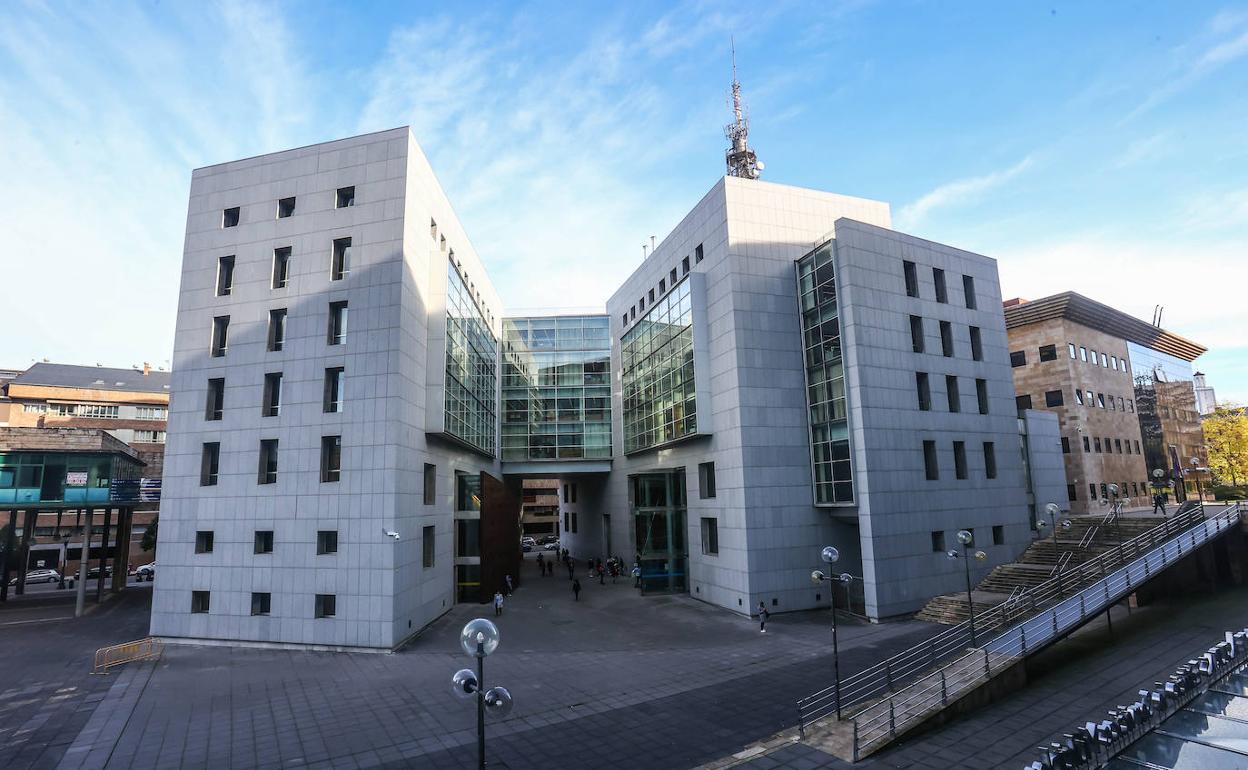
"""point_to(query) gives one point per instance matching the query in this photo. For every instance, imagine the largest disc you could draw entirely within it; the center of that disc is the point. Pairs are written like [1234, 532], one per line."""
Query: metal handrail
[884, 677]
[1062, 562]
[883, 720]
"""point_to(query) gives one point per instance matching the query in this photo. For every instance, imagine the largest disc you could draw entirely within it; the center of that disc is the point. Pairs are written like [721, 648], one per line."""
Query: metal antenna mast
[740, 158]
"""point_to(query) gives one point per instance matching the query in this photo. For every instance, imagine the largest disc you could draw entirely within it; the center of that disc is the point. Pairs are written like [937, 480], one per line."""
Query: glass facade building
[656, 361]
[659, 511]
[471, 371]
[556, 388]
[825, 378]
[1165, 400]
[67, 477]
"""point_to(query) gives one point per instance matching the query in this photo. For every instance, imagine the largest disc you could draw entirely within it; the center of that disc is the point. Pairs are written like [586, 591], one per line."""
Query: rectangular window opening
[225, 276]
[277, 329]
[272, 404]
[431, 484]
[924, 391]
[968, 289]
[990, 460]
[326, 541]
[220, 335]
[203, 541]
[331, 458]
[229, 217]
[209, 463]
[267, 471]
[199, 602]
[710, 535]
[345, 197]
[912, 278]
[981, 395]
[959, 459]
[333, 391]
[706, 480]
[938, 276]
[281, 267]
[929, 461]
[264, 541]
[916, 333]
[326, 605]
[427, 547]
[951, 393]
[340, 263]
[285, 208]
[261, 603]
[337, 332]
[215, 406]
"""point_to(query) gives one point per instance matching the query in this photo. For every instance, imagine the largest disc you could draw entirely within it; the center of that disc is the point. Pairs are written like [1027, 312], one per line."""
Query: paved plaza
[655, 682]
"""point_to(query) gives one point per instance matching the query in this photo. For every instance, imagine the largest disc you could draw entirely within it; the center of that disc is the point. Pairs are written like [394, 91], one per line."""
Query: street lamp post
[478, 639]
[966, 540]
[830, 555]
[1199, 492]
[1053, 510]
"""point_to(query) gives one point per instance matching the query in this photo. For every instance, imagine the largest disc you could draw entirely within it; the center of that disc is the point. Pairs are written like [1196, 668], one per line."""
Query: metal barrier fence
[885, 677]
[883, 720]
[142, 649]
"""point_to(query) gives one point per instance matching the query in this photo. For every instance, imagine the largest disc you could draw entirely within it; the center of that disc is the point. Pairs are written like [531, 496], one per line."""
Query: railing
[885, 677]
[1061, 564]
[883, 720]
[143, 649]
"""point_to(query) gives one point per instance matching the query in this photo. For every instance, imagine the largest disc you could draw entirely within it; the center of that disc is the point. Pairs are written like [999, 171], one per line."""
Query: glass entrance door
[658, 506]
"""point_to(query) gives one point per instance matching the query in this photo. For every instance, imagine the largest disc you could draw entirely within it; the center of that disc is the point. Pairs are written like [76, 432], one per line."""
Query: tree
[149, 536]
[1226, 435]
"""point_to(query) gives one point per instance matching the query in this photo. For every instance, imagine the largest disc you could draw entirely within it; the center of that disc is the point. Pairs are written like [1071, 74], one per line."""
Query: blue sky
[1099, 147]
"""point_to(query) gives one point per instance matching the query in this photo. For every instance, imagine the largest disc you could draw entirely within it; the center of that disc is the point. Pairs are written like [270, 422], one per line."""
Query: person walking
[571, 567]
[636, 575]
[541, 565]
[602, 575]
[510, 585]
[498, 603]
[1159, 503]
[762, 618]
[576, 590]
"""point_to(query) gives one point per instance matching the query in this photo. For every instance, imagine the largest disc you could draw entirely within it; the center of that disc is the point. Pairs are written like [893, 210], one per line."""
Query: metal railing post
[987, 667]
[1022, 630]
[892, 721]
[855, 741]
[944, 693]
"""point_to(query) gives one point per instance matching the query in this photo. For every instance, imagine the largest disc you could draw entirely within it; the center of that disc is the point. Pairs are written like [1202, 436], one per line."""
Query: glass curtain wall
[1165, 400]
[656, 357]
[825, 377]
[659, 511]
[32, 477]
[557, 388]
[471, 373]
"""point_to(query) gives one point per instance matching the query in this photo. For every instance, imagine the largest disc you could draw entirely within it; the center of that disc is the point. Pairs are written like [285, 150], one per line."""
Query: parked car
[526, 540]
[550, 539]
[39, 576]
[94, 572]
[552, 546]
[525, 547]
[146, 571]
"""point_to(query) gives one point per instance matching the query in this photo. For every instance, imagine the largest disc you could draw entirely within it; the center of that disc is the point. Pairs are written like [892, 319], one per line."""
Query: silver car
[40, 576]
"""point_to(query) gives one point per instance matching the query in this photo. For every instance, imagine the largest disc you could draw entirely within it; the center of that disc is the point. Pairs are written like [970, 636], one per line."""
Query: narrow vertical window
[340, 263]
[229, 217]
[1065, 445]
[951, 393]
[938, 542]
[1083, 354]
[272, 401]
[946, 339]
[697, 254]
[334, 376]
[267, 473]
[220, 335]
[215, 405]
[981, 395]
[977, 344]
[209, 463]
[706, 480]
[277, 329]
[968, 289]
[345, 197]
[916, 333]
[337, 323]
[331, 458]
[1070, 348]
[433, 229]
[285, 208]
[990, 460]
[710, 536]
[431, 484]
[1087, 444]
[929, 460]
[998, 534]
[938, 276]
[924, 391]
[225, 276]
[662, 286]
[281, 267]
[684, 266]
[912, 278]
[428, 547]
[959, 459]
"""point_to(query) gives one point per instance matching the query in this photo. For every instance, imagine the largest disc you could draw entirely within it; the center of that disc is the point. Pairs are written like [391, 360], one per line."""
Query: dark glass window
[977, 344]
[285, 208]
[1065, 445]
[331, 458]
[1048, 352]
[337, 333]
[203, 541]
[959, 459]
[345, 197]
[938, 542]
[912, 278]
[264, 541]
[220, 335]
[267, 473]
[924, 391]
[697, 254]
[272, 395]
[428, 547]
[332, 396]
[208, 465]
[946, 339]
[706, 479]
[951, 393]
[225, 276]
[215, 405]
[261, 603]
[1018, 358]
[199, 602]
[710, 535]
[916, 333]
[929, 460]
[1087, 444]
[326, 541]
[431, 483]
[998, 533]
[229, 217]
[277, 329]
[1071, 494]
[340, 264]
[326, 605]
[968, 289]
[981, 395]
[1053, 398]
[990, 461]
[281, 267]
[938, 276]
[1022, 403]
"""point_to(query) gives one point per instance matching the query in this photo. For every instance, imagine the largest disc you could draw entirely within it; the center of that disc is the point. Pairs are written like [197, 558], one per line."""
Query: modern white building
[352, 416]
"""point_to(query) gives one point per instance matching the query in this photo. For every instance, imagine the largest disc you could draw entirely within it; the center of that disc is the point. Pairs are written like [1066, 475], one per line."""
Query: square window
[938, 276]
[264, 541]
[431, 483]
[203, 541]
[1018, 358]
[229, 217]
[1048, 352]
[946, 339]
[924, 391]
[998, 534]
[332, 396]
[1053, 398]
[220, 335]
[199, 602]
[1022, 403]
[272, 403]
[326, 605]
[990, 460]
[706, 480]
[340, 262]
[267, 473]
[959, 459]
[326, 541]
[277, 329]
[916, 333]
[938, 542]
[215, 405]
[331, 458]
[281, 267]
[710, 536]
[208, 465]
[285, 207]
[261, 603]
[225, 275]
[345, 197]
[977, 344]
[968, 289]
[912, 278]
[929, 461]
[951, 393]
[427, 546]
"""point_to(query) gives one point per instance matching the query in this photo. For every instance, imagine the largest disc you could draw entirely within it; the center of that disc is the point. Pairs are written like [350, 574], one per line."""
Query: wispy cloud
[1199, 59]
[958, 192]
[1144, 149]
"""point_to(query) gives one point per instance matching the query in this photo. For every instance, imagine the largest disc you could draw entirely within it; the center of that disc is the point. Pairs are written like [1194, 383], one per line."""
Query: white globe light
[1113, 489]
[1052, 509]
[846, 577]
[479, 637]
[951, 554]
[965, 537]
[829, 554]
[980, 556]
[816, 577]
[464, 683]
[498, 701]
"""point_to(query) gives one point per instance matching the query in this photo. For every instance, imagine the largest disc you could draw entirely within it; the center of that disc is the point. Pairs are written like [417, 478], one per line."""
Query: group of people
[613, 566]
